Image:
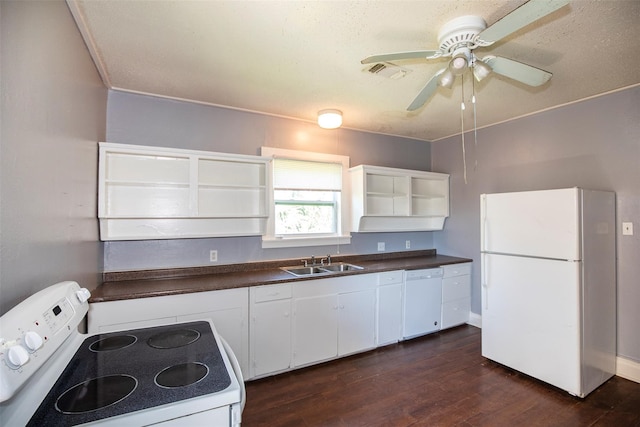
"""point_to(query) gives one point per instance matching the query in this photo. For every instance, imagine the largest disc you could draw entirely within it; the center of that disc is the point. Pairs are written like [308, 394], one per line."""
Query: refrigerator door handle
[485, 285]
[483, 226]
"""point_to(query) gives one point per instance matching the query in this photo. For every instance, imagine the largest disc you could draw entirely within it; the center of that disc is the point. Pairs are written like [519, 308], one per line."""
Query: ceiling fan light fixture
[329, 119]
[446, 79]
[460, 61]
[480, 70]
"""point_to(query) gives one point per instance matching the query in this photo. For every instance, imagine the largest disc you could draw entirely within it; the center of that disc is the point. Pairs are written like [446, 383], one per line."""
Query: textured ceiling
[293, 58]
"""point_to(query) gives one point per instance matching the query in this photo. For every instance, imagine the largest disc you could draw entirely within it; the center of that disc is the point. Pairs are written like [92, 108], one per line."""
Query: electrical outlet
[407, 244]
[627, 228]
[380, 246]
[213, 255]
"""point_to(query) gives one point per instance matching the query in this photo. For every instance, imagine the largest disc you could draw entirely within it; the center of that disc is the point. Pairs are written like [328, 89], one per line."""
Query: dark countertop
[153, 283]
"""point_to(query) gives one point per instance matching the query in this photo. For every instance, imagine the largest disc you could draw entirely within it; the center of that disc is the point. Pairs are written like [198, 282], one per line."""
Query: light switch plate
[627, 228]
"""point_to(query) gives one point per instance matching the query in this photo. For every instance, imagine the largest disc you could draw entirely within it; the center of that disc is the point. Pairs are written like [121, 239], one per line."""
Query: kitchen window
[309, 205]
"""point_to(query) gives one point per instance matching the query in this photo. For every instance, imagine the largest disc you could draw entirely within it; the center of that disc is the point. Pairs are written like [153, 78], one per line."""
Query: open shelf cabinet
[162, 193]
[390, 199]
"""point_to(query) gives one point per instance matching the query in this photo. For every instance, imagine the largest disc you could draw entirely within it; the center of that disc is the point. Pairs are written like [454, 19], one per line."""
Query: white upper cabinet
[166, 193]
[389, 199]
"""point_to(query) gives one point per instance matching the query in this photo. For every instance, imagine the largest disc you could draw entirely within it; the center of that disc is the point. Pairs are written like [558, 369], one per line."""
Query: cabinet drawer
[457, 269]
[271, 292]
[455, 312]
[431, 273]
[455, 288]
[390, 277]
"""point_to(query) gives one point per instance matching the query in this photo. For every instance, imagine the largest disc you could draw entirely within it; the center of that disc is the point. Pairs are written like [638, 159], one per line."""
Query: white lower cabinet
[270, 329]
[389, 324]
[456, 294]
[275, 328]
[356, 321]
[333, 317]
[315, 329]
[228, 309]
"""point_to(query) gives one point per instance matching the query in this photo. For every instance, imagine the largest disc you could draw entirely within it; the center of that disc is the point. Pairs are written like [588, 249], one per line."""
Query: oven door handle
[236, 369]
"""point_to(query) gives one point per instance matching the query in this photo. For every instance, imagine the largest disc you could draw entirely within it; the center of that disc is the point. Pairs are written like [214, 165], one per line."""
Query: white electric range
[51, 374]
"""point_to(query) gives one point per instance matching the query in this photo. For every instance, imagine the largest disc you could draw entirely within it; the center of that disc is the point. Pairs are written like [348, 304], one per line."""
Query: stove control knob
[17, 356]
[83, 295]
[33, 341]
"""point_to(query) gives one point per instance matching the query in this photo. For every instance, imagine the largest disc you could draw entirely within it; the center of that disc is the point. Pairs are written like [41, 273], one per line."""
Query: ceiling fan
[461, 36]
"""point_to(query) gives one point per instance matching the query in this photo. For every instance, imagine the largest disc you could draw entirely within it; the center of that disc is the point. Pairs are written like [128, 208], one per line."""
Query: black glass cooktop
[118, 373]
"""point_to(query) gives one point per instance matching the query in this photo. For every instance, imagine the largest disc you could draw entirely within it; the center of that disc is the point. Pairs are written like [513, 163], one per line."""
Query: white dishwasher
[422, 303]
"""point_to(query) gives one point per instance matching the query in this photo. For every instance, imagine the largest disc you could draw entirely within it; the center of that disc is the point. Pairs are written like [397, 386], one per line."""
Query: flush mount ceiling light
[329, 119]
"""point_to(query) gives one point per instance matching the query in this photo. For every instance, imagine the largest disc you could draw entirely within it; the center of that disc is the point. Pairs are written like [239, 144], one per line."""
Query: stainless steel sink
[304, 271]
[340, 267]
[321, 269]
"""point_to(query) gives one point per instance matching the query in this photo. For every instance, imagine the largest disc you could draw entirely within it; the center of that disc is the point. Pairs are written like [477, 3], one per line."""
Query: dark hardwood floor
[436, 380]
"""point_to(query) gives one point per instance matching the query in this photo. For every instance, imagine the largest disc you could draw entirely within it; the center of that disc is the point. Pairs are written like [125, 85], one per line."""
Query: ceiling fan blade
[415, 54]
[427, 92]
[520, 17]
[518, 71]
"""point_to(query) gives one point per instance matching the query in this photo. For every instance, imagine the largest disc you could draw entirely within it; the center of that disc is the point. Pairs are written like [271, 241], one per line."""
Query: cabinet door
[356, 321]
[315, 329]
[270, 337]
[422, 306]
[231, 324]
[456, 295]
[455, 313]
[389, 314]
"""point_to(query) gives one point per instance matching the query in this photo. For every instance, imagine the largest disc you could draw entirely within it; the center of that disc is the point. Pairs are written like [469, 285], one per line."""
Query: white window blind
[290, 174]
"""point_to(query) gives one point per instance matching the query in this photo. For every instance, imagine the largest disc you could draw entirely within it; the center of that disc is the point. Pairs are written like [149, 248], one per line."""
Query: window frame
[343, 235]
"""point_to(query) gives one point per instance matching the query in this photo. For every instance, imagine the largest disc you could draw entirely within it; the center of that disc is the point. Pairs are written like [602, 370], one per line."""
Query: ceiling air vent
[388, 70]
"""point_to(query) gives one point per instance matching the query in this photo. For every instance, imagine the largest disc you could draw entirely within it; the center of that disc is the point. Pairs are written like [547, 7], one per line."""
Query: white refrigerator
[549, 285]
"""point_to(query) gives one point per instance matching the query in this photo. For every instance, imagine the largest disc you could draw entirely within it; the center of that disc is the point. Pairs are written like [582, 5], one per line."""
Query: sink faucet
[306, 263]
[328, 259]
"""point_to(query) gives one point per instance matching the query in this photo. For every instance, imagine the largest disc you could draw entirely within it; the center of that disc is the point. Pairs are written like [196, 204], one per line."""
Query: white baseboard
[475, 320]
[628, 369]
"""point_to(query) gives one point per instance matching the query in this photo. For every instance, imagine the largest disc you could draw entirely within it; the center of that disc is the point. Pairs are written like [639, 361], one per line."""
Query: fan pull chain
[475, 125]
[464, 154]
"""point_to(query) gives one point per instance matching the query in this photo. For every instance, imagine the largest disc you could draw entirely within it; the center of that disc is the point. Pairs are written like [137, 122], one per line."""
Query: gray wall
[53, 112]
[145, 120]
[593, 144]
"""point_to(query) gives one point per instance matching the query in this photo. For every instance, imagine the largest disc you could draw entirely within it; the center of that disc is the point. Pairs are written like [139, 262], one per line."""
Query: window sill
[294, 242]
